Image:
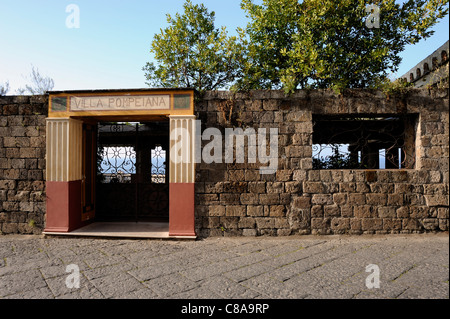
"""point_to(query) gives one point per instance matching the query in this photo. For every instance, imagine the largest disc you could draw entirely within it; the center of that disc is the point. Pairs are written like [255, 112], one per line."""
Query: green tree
[326, 43]
[192, 52]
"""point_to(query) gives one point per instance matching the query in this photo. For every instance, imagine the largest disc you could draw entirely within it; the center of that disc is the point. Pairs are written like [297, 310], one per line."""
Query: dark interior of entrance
[132, 182]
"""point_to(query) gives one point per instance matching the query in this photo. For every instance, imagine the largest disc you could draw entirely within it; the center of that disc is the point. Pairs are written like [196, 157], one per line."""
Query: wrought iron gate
[132, 172]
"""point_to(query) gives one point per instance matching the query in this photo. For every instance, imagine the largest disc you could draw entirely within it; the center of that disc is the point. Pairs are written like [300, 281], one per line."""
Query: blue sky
[113, 41]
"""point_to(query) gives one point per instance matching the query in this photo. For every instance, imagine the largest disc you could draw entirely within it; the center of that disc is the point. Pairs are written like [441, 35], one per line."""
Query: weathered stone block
[340, 198]
[18, 196]
[301, 202]
[234, 187]
[437, 200]
[391, 224]
[28, 152]
[306, 163]
[376, 199]
[387, 212]
[255, 211]
[26, 206]
[322, 199]
[207, 198]
[285, 198]
[228, 199]
[249, 232]
[12, 152]
[229, 222]
[35, 175]
[4, 163]
[299, 218]
[275, 187]
[284, 175]
[331, 187]
[371, 224]
[384, 188]
[293, 187]
[403, 212]
[364, 211]
[442, 212]
[325, 176]
[443, 224]
[299, 175]
[346, 211]
[18, 130]
[216, 210]
[11, 174]
[283, 232]
[10, 206]
[236, 175]
[10, 109]
[430, 223]
[247, 222]
[341, 224]
[411, 224]
[320, 223]
[10, 228]
[277, 211]
[249, 199]
[317, 211]
[362, 187]
[269, 199]
[419, 212]
[355, 224]
[7, 184]
[257, 187]
[252, 175]
[32, 131]
[347, 187]
[395, 199]
[264, 222]
[331, 210]
[281, 222]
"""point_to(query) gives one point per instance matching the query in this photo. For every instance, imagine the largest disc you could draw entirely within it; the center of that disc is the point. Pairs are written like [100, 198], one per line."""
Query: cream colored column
[64, 149]
[182, 157]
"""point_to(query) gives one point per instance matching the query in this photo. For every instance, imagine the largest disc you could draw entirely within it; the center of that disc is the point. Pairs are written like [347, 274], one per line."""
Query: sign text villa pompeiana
[133, 102]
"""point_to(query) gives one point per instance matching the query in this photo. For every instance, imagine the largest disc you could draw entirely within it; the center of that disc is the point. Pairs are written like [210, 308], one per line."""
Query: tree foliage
[192, 52]
[335, 160]
[326, 43]
[290, 44]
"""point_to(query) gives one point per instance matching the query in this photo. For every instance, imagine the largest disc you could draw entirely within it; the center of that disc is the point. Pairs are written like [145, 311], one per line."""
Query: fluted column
[182, 176]
[63, 174]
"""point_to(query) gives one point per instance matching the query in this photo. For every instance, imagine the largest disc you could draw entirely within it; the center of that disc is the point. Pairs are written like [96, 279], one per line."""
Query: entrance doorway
[132, 176]
[121, 171]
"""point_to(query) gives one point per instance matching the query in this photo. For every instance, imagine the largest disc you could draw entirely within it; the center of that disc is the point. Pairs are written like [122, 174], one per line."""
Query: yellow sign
[121, 102]
[116, 103]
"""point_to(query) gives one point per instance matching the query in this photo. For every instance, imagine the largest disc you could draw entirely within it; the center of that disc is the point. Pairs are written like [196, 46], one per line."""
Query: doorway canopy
[71, 151]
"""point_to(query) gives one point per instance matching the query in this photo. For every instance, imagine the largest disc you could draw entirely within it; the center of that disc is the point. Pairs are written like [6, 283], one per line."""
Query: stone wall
[234, 199]
[22, 164]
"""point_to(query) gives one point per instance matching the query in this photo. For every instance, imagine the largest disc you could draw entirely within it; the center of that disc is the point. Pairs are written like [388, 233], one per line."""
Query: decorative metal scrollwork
[118, 164]
[132, 172]
[158, 170]
[361, 143]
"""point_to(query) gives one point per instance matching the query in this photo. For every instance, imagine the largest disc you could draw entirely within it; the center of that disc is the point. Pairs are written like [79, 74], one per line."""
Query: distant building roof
[432, 70]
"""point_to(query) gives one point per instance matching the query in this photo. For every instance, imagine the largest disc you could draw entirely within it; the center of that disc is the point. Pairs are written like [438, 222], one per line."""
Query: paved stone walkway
[410, 266]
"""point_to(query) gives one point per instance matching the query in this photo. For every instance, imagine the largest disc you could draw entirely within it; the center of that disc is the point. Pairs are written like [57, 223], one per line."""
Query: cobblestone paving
[410, 266]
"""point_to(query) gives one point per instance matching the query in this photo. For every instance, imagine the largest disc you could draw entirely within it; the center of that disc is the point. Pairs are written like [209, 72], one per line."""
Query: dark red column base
[181, 209]
[63, 206]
